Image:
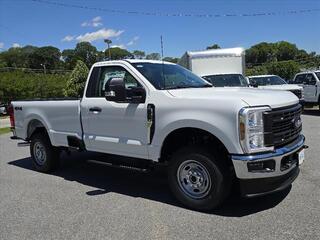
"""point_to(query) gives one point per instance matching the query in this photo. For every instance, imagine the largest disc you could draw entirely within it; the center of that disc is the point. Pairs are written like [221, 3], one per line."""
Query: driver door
[310, 88]
[111, 127]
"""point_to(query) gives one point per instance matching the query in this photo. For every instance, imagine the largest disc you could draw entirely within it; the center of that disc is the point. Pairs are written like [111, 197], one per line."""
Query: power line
[161, 14]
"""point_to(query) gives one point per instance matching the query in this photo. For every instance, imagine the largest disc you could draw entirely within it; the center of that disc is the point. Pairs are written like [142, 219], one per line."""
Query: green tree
[213, 46]
[171, 59]
[14, 57]
[153, 56]
[257, 70]
[285, 69]
[261, 53]
[286, 51]
[138, 54]
[45, 57]
[76, 82]
[69, 58]
[85, 52]
[118, 53]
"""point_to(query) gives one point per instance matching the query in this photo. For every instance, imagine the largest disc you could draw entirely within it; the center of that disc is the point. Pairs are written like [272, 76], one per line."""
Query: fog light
[262, 166]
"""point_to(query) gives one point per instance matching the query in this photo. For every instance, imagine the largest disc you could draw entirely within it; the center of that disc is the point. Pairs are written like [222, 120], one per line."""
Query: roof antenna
[164, 80]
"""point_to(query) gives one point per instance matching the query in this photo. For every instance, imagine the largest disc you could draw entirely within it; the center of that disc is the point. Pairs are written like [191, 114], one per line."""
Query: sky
[129, 24]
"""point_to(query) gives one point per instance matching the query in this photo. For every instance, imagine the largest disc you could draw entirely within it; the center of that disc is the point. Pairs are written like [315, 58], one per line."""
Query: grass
[5, 130]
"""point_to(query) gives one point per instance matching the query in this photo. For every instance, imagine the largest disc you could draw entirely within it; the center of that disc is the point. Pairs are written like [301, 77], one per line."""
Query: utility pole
[108, 42]
[41, 81]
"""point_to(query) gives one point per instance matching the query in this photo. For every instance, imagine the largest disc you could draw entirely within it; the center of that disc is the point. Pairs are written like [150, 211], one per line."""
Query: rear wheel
[45, 157]
[197, 179]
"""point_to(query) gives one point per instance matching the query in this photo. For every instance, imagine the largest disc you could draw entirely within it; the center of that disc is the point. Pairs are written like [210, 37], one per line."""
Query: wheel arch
[185, 136]
[35, 126]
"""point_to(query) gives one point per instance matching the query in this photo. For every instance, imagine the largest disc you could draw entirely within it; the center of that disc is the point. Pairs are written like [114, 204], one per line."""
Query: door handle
[95, 109]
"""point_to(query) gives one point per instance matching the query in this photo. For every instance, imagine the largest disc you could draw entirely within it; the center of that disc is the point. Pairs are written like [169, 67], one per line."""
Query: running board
[121, 165]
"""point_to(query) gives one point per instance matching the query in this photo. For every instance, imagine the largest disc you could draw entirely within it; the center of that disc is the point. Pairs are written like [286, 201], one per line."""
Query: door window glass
[107, 73]
[310, 79]
[300, 79]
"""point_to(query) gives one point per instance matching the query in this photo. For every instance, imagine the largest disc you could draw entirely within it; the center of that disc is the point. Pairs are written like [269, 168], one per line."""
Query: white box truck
[215, 61]
[221, 67]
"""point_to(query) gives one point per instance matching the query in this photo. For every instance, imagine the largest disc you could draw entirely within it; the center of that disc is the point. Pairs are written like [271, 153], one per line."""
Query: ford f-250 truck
[161, 113]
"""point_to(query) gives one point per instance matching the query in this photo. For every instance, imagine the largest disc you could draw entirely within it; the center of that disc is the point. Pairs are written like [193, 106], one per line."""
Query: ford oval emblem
[297, 122]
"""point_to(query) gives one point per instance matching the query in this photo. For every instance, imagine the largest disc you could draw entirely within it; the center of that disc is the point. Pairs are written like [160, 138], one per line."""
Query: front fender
[229, 138]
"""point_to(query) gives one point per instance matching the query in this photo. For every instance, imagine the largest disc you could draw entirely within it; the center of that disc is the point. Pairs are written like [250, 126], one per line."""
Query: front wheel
[197, 179]
[44, 156]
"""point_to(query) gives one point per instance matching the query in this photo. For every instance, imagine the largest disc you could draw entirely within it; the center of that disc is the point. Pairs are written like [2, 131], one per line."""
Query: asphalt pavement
[85, 200]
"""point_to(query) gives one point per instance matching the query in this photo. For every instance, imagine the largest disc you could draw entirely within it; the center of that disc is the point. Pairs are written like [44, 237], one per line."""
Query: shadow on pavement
[151, 185]
[311, 112]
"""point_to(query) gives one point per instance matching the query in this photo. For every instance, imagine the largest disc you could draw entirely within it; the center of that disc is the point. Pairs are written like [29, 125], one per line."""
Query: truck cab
[310, 81]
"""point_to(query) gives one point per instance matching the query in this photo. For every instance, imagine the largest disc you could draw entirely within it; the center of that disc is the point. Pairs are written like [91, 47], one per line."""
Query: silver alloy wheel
[194, 179]
[39, 153]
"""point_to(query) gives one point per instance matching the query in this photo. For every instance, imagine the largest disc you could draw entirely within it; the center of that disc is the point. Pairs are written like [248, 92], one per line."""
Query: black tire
[220, 178]
[51, 160]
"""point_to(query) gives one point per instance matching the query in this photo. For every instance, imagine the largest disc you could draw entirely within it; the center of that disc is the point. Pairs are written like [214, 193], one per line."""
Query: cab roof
[132, 61]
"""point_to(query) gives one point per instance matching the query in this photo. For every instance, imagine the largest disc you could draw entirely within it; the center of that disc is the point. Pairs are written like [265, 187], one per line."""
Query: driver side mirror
[254, 84]
[115, 90]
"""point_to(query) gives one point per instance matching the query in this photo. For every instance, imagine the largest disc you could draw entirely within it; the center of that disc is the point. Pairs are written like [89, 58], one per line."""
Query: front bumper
[281, 169]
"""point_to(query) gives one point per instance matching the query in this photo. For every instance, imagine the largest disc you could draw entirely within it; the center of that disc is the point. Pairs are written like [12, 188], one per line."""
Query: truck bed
[60, 116]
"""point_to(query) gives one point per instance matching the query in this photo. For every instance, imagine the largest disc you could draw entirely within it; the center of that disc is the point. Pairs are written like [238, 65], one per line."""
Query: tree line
[281, 58]
[49, 57]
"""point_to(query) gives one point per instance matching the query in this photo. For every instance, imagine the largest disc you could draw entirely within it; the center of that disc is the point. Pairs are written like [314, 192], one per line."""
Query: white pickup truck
[161, 113]
[310, 81]
[274, 82]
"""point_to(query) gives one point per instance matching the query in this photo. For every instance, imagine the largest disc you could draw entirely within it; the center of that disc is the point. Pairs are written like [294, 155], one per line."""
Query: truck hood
[252, 97]
[287, 87]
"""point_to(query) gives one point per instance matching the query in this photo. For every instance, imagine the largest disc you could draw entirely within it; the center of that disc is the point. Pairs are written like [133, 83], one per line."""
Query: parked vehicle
[274, 82]
[220, 67]
[310, 81]
[3, 110]
[158, 113]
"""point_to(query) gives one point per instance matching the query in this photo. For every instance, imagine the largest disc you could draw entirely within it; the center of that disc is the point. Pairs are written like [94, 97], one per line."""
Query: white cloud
[97, 19]
[94, 22]
[97, 24]
[1, 45]
[100, 34]
[118, 46]
[133, 41]
[67, 38]
[16, 45]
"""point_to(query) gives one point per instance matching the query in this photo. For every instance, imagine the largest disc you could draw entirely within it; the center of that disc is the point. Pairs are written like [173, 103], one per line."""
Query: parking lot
[84, 200]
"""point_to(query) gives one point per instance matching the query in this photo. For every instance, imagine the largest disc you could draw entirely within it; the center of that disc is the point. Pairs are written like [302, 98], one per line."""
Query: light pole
[108, 42]
[44, 67]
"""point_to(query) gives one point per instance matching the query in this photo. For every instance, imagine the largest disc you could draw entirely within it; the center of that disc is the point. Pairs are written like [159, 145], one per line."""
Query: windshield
[169, 76]
[227, 80]
[263, 81]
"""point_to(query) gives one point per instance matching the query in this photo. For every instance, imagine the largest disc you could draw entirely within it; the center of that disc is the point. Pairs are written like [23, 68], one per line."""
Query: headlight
[251, 129]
